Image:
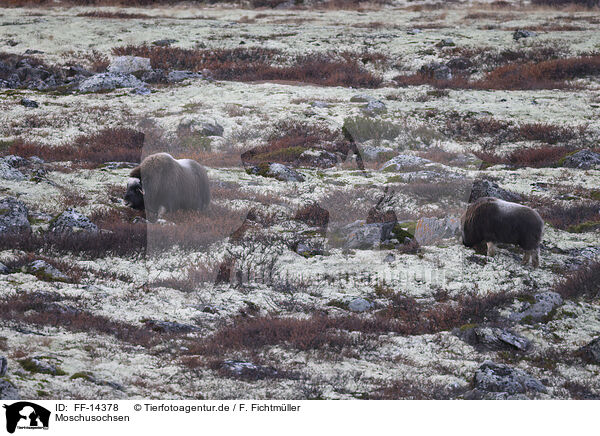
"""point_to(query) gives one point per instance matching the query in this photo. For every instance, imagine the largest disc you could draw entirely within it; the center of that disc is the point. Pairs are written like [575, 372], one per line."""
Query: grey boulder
[497, 377]
[109, 81]
[13, 216]
[71, 221]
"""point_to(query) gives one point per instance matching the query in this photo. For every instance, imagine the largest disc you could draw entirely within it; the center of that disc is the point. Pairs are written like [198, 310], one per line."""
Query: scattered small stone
[41, 365]
[118, 165]
[374, 107]
[29, 103]
[361, 98]
[522, 33]
[413, 31]
[248, 370]
[278, 171]
[389, 258]
[497, 377]
[307, 250]
[129, 65]
[404, 162]
[71, 221]
[487, 188]
[544, 305]
[164, 42]
[31, 51]
[591, 351]
[3, 270]
[359, 305]
[169, 326]
[446, 42]
[583, 159]
[45, 270]
[13, 216]
[321, 104]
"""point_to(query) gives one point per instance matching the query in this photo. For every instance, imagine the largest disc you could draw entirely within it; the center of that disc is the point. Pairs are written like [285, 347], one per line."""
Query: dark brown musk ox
[163, 184]
[492, 221]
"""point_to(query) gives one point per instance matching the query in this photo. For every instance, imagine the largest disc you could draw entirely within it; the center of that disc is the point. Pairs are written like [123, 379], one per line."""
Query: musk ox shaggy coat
[168, 184]
[492, 220]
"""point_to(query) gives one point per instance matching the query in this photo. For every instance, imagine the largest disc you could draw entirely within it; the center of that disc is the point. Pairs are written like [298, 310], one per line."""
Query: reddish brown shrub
[570, 217]
[582, 283]
[41, 309]
[538, 157]
[255, 64]
[110, 14]
[313, 215]
[563, 3]
[108, 145]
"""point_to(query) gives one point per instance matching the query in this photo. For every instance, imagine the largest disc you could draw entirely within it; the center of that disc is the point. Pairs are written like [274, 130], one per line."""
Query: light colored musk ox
[163, 184]
[492, 220]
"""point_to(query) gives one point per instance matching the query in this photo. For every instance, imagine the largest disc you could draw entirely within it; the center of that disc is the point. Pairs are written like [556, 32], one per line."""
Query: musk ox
[492, 220]
[163, 184]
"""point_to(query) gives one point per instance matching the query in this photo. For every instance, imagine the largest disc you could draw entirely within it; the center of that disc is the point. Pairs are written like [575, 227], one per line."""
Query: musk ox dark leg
[526, 257]
[491, 249]
[161, 211]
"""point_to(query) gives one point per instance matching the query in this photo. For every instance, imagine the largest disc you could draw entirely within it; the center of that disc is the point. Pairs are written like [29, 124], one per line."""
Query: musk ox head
[134, 197]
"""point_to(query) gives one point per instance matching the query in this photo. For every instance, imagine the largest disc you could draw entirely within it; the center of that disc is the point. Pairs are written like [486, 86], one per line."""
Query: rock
[539, 311]
[487, 188]
[372, 152]
[13, 216]
[31, 51]
[155, 76]
[169, 326]
[493, 338]
[164, 42]
[522, 33]
[15, 161]
[446, 42]
[436, 71]
[29, 103]
[431, 230]
[201, 127]
[8, 391]
[129, 65]
[496, 377]
[359, 305]
[404, 162]
[591, 351]
[413, 31]
[307, 249]
[179, 76]
[8, 172]
[374, 107]
[109, 81]
[583, 159]
[460, 63]
[248, 370]
[141, 91]
[45, 270]
[389, 258]
[367, 236]
[71, 221]
[361, 98]
[3, 366]
[41, 365]
[3, 270]
[278, 171]
[118, 165]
